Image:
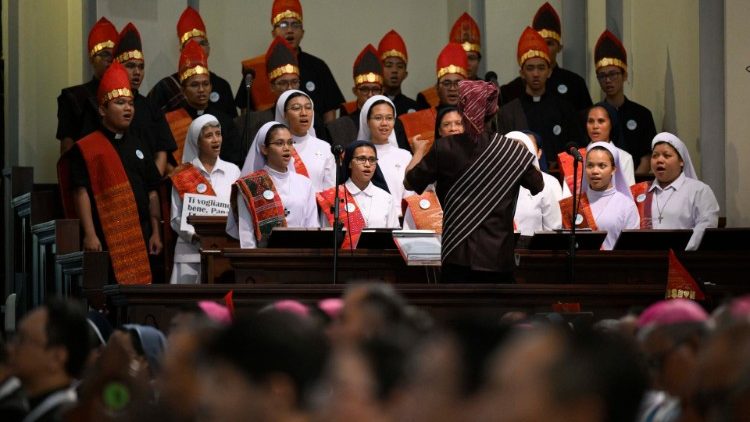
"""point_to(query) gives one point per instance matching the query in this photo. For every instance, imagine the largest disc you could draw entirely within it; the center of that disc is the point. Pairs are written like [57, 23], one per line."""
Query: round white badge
[268, 194]
[579, 219]
[562, 88]
[631, 124]
[424, 204]
[556, 130]
[139, 154]
[350, 207]
[214, 97]
[310, 85]
[641, 197]
[411, 110]
[201, 187]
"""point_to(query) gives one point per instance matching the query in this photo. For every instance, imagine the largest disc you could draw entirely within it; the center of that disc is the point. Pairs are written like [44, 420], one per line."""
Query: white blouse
[297, 196]
[628, 171]
[685, 204]
[320, 163]
[392, 162]
[538, 212]
[613, 212]
[375, 204]
[221, 178]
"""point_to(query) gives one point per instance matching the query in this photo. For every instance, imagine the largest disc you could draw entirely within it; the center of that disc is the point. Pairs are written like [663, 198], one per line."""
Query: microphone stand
[245, 131]
[337, 224]
[572, 246]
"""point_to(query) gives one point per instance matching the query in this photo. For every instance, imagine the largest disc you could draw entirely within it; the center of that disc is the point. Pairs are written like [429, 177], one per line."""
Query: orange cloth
[263, 97]
[186, 179]
[179, 122]
[299, 165]
[565, 163]
[680, 284]
[431, 96]
[584, 210]
[420, 122]
[353, 221]
[267, 213]
[430, 218]
[643, 199]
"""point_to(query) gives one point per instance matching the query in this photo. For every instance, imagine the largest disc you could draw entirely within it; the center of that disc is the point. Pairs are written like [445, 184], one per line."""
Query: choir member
[202, 172]
[376, 124]
[560, 191]
[606, 202]
[540, 212]
[676, 199]
[365, 197]
[636, 122]
[168, 93]
[603, 125]
[465, 31]
[395, 59]
[271, 193]
[312, 156]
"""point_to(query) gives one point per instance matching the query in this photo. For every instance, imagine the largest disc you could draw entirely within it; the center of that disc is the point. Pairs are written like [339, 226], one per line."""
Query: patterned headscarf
[477, 100]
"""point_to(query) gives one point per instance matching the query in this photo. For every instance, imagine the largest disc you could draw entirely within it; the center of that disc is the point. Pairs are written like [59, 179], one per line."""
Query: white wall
[737, 86]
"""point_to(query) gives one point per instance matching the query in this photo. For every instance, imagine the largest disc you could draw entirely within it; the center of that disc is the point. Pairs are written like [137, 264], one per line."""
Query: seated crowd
[370, 356]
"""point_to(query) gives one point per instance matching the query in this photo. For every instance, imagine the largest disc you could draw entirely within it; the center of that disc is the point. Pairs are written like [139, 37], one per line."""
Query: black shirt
[316, 80]
[638, 129]
[139, 166]
[78, 111]
[562, 82]
[150, 126]
[404, 104]
[167, 94]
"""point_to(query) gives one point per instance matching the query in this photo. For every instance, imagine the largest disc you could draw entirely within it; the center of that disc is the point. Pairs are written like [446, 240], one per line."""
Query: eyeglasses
[450, 84]
[296, 25]
[105, 54]
[374, 90]
[379, 118]
[204, 43]
[287, 84]
[281, 144]
[361, 159]
[608, 76]
[298, 107]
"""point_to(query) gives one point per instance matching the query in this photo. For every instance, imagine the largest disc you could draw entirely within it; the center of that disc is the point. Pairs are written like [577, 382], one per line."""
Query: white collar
[676, 183]
[369, 190]
[275, 173]
[219, 166]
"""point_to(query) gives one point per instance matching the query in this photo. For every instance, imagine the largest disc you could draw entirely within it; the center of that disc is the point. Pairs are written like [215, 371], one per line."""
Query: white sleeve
[392, 216]
[247, 226]
[566, 193]
[551, 215]
[628, 171]
[311, 210]
[176, 217]
[705, 214]
[409, 223]
[632, 218]
[329, 173]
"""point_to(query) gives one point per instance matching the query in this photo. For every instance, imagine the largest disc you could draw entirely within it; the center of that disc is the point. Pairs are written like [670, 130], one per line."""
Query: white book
[418, 247]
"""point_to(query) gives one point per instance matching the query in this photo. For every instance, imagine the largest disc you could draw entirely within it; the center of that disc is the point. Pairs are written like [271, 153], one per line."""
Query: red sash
[267, 213]
[565, 162]
[643, 199]
[115, 204]
[263, 98]
[420, 122]
[429, 217]
[584, 210]
[299, 165]
[431, 95]
[186, 179]
[353, 221]
[179, 122]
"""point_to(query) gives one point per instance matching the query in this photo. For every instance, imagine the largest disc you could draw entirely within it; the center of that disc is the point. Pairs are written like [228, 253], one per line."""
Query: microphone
[490, 77]
[336, 150]
[572, 149]
[249, 77]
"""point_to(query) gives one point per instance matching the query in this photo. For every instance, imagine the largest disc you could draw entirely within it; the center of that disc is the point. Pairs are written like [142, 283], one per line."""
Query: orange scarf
[585, 216]
[353, 221]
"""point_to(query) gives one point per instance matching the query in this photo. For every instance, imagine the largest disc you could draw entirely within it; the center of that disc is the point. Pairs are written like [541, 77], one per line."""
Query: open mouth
[290, 39]
[304, 121]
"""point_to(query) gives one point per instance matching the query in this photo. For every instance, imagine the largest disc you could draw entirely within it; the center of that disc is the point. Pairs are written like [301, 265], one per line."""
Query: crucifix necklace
[661, 209]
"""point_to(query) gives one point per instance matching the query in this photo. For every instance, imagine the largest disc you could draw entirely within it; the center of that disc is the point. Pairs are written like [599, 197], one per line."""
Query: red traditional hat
[285, 9]
[367, 67]
[452, 59]
[102, 35]
[547, 22]
[115, 83]
[128, 44]
[531, 45]
[190, 25]
[392, 45]
[193, 61]
[466, 32]
[609, 51]
[280, 59]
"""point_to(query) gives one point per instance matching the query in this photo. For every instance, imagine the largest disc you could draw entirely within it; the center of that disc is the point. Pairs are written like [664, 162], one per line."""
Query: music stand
[376, 239]
[301, 238]
[734, 239]
[653, 240]
[560, 240]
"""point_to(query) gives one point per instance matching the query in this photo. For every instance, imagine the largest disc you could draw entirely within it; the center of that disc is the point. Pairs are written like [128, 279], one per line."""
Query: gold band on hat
[197, 70]
[283, 70]
[284, 15]
[372, 78]
[611, 61]
[393, 53]
[547, 33]
[195, 32]
[101, 46]
[130, 55]
[531, 54]
[471, 47]
[116, 93]
[452, 69]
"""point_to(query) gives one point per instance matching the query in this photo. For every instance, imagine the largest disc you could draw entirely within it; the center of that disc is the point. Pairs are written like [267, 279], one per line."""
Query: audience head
[369, 309]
